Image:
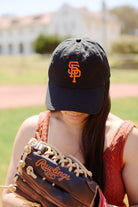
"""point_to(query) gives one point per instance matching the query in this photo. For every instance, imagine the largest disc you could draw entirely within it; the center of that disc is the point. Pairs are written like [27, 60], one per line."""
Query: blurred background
[29, 32]
[21, 23]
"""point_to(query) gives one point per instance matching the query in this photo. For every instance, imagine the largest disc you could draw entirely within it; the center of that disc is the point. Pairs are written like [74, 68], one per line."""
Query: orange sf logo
[74, 70]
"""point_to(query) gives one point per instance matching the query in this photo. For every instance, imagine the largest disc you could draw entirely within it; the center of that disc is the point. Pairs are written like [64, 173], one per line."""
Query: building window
[14, 21]
[21, 48]
[37, 17]
[10, 48]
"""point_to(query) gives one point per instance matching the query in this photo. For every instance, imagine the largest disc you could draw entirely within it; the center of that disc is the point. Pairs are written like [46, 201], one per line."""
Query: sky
[30, 7]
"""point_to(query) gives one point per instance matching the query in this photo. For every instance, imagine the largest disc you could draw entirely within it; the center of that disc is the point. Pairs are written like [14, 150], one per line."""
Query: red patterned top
[113, 158]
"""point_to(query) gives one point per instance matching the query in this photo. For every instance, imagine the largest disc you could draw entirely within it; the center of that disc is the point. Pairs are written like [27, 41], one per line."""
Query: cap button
[78, 40]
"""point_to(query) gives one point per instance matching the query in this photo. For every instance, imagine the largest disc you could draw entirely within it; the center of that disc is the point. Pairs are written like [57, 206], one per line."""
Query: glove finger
[24, 190]
[52, 193]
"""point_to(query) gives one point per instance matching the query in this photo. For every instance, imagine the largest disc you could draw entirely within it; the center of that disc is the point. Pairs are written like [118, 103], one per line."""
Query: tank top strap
[42, 125]
[118, 142]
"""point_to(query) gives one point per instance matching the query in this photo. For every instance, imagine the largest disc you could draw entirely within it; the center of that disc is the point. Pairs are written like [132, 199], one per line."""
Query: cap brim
[81, 100]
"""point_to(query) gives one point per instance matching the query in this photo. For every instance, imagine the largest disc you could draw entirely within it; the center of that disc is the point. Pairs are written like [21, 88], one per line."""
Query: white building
[18, 33]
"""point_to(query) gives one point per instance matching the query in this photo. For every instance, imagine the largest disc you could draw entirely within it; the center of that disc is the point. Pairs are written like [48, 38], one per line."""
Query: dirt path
[28, 95]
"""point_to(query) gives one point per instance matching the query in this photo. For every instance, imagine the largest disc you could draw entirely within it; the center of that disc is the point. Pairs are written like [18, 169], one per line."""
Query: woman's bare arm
[26, 131]
[130, 171]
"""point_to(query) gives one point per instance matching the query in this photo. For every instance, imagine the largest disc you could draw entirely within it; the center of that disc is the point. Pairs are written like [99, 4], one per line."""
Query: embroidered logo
[51, 172]
[74, 70]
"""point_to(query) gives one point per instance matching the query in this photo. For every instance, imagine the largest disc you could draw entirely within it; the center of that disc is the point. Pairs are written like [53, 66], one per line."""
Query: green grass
[124, 76]
[11, 119]
[32, 69]
[23, 69]
[126, 108]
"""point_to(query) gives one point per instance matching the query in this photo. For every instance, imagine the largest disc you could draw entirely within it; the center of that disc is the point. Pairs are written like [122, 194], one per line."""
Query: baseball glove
[46, 178]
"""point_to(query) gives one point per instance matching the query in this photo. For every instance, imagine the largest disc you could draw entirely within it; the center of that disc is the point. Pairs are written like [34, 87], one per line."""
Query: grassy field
[32, 69]
[124, 76]
[11, 119]
[23, 69]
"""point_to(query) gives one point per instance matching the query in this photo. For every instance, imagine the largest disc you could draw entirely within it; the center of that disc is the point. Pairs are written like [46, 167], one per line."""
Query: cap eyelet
[78, 40]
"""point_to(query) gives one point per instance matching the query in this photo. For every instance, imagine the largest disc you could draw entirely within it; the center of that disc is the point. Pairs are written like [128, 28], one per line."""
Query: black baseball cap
[78, 71]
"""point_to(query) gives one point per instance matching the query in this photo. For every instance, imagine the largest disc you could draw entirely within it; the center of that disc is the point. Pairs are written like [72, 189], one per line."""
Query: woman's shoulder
[114, 120]
[116, 125]
[113, 125]
[30, 122]
[27, 128]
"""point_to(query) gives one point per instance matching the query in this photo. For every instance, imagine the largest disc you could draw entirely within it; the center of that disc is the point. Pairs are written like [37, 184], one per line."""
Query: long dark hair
[93, 137]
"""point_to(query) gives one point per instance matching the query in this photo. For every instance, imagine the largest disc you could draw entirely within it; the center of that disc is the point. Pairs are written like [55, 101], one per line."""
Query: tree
[46, 44]
[128, 16]
[125, 44]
